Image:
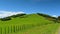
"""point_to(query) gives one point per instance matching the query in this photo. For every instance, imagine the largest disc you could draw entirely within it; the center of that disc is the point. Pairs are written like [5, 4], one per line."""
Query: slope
[20, 24]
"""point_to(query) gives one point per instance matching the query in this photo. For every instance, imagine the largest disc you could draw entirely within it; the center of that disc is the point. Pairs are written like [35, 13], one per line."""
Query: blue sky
[51, 7]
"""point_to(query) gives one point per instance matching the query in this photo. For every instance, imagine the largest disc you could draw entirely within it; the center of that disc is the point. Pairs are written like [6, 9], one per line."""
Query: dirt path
[58, 31]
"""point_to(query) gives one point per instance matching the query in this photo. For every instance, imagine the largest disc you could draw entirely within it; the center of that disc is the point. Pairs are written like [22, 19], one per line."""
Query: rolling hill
[29, 24]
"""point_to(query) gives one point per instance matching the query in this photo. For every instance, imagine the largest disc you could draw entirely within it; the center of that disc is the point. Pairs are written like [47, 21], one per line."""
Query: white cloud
[54, 16]
[8, 13]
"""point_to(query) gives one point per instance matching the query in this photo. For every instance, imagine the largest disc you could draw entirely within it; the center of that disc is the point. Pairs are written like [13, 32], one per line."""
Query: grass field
[30, 24]
[45, 29]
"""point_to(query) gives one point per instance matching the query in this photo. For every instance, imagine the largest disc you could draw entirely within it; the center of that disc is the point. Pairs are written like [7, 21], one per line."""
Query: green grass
[45, 29]
[30, 22]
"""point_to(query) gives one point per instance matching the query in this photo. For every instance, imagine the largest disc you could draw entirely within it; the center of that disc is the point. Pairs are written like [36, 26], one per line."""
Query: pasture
[30, 24]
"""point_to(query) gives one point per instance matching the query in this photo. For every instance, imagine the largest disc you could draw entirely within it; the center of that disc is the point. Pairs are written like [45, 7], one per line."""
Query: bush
[58, 18]
[14, 16]
[18, 15]
[5, 19]
[49, 17]
[44, 15]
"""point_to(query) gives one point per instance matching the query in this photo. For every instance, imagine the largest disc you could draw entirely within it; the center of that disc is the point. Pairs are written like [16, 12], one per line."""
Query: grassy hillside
[29, 22]
[45, 29]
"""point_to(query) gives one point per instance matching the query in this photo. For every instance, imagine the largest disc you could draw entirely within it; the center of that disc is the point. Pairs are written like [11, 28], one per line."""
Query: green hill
[29, 22]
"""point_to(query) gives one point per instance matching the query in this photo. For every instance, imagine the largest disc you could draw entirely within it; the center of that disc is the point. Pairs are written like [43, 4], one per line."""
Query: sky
[9, 7]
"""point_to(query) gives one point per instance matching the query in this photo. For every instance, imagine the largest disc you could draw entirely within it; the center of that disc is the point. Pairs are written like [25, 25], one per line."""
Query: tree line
[13, 16]
[55, 19]
[23, 15]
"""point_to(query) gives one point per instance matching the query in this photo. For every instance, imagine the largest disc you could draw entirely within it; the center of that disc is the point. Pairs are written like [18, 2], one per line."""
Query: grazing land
[29, 24]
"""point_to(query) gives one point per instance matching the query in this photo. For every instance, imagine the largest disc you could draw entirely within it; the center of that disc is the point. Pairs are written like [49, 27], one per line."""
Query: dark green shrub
[14, 16]
[58, 18]
[49, 17]
[5, 19]
[44, 15]
[18, 15]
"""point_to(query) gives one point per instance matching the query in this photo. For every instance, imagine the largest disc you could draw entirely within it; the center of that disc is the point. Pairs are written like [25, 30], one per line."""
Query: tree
[48, 17]
[18, 15]
[5, 19]
[13, 16]
[58, 19]
[44, 15]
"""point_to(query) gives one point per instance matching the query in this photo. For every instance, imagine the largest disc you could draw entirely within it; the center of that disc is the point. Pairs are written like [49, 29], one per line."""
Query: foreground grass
[45, 29]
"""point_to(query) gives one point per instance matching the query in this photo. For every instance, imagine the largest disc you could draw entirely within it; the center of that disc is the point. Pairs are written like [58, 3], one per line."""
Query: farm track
[58, 31]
